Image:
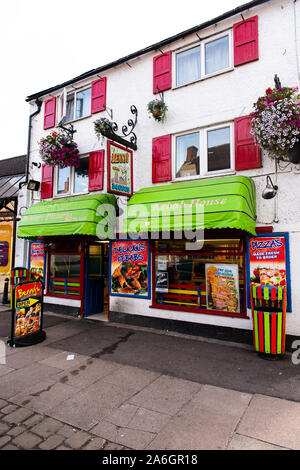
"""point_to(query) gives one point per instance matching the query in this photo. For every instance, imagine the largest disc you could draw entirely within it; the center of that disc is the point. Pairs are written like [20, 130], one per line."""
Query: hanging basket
[58, 149]
[158, 109]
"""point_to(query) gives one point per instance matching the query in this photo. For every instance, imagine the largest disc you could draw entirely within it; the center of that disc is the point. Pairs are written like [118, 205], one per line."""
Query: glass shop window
[64, 274]
[206, 281]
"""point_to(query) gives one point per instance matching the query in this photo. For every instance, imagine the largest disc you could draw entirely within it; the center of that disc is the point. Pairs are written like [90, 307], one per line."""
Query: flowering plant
[158, 109]
[58, 149]
[102, 126]
[276, 120]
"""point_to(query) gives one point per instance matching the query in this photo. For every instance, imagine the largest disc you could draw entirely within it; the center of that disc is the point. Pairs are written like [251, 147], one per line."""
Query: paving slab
[64, 360]
[239, 442]
[132, 378]
[166, 395]
[87, 372]
[26, 356]
[272, 420]
[132, 438]
[19, 380]
[44, 396]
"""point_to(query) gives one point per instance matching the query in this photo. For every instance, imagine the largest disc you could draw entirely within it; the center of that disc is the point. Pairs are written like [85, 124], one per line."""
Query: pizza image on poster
[267, 259]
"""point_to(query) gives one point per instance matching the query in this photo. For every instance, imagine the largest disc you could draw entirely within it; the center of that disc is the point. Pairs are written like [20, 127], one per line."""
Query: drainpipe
[39, 105]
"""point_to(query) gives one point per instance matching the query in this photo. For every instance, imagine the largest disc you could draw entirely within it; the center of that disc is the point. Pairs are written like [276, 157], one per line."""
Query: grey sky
[45, 43]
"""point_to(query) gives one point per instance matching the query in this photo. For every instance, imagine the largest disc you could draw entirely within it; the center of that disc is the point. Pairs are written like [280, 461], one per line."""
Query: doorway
[96, 280]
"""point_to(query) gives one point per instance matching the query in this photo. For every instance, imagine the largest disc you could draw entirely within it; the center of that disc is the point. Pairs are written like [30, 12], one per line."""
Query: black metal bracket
[127, 131]
[277, 82]
[69, 130]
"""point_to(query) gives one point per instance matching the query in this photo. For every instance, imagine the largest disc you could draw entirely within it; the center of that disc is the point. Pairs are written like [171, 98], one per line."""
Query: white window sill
[202, 177]
[58, 196]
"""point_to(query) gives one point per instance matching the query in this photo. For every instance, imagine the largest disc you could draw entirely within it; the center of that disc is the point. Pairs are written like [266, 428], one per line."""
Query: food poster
[120, 170]
[267, 259]
[130, 268]
[222, 287]
[36, 261]
[28, 308]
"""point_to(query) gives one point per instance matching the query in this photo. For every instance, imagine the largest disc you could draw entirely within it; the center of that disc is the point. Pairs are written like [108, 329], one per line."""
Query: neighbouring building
[202, 155]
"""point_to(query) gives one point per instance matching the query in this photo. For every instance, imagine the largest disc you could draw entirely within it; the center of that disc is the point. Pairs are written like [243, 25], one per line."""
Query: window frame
[71, 191]
[203, 150]
[75, 91]
[202, 45]
[226, 233]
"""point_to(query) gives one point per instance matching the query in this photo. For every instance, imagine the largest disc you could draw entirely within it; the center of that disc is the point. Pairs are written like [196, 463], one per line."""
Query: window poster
[5, 247]
[222, 287]
[130, 268]
[119, 169]
[161, 281]
[36, 261]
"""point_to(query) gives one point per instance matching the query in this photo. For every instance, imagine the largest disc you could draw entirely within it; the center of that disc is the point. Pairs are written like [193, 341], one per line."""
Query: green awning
[77, 215]
[217, 203]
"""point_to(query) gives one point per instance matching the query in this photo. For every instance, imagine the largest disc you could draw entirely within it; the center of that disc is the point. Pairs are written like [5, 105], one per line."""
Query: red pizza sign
[268, 260]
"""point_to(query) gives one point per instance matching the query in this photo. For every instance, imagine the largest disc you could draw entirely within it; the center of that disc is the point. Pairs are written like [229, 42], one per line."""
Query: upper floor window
[78, 104]
[210, 57]
[204, 152]
[72, 180]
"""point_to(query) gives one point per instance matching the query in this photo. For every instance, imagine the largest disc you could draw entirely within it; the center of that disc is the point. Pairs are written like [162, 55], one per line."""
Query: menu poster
[27, 314]
[5, 247]
[161, 282]
[267, 259]
[36, 260]
[130, 268]
[222, 287]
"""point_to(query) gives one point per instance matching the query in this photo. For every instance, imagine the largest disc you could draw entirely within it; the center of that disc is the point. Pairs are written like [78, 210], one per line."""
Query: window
[203, 152]
[210, 57]
[64, 270]
[207, 281]
[72, 180]
[78, 104]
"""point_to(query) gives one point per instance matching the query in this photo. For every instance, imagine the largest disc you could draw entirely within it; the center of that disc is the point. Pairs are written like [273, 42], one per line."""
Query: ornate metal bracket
[69, 130]
[277, 82]
[127, 131]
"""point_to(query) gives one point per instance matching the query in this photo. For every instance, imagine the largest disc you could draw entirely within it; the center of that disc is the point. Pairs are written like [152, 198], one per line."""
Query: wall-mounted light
[33, 185]
[270, 190]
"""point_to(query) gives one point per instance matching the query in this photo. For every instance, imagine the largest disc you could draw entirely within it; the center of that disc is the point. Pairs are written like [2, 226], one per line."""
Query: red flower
[269, 91]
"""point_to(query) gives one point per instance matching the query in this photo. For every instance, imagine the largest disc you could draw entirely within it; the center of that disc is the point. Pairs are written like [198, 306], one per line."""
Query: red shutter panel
[161, 159]
[49, 113]
[247, 154]
[162, 72]
[47, 182]
[98, 95]
[245, 38]
[96, 170]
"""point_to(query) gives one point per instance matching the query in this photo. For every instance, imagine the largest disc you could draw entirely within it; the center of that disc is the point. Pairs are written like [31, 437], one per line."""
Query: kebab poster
[130, 268]
[27, 314]
[36, 256]
[222, 287]
[267, 258]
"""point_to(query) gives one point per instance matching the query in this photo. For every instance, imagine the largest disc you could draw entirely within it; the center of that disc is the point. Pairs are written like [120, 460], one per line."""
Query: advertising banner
[222, 287]
[36, 261]
[5, 247]
[119, 169]
[130, 268]
[27, 314]
[267, 260]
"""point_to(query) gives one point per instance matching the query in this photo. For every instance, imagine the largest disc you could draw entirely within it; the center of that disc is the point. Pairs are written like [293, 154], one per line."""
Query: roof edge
[146, 50]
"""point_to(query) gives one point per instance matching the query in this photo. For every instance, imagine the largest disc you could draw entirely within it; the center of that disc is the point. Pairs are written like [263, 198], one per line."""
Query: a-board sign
[27, 314]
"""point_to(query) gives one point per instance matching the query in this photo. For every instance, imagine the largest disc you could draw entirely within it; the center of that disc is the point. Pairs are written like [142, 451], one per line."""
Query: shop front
[197, 234]
[76, 258]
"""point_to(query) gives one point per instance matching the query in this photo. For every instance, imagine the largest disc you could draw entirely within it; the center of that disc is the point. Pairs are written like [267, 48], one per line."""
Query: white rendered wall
[218, 99]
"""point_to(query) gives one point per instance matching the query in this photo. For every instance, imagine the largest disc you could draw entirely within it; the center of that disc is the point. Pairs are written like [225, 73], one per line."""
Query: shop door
[94, 279]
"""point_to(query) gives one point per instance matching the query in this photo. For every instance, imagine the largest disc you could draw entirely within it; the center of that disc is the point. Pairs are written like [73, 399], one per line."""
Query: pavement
[101, 386]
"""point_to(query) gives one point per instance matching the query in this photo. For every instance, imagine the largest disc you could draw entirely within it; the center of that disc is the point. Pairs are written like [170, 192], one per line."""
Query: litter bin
[268, 305]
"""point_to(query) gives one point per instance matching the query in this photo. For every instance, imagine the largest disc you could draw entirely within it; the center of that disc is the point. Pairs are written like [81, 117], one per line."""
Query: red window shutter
[247, 154]
[47, 182]
[49, 113]
[98, 95]
[245, 41]
[96, 170]
[162, 72]
[161, 159]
